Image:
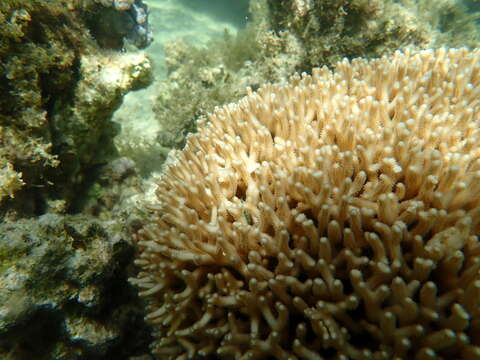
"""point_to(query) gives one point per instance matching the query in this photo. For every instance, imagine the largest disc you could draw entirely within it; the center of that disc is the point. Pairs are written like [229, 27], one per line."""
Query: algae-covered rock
[59, 90]
[63, 290]
[121, 20]
[85, 126]
[332, 30]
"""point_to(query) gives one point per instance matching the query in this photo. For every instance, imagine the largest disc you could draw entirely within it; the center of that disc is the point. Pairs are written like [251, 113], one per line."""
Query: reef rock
[59, 90]
[63, 291]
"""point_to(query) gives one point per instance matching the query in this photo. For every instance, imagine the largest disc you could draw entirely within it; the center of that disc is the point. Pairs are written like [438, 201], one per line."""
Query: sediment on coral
[336, 216]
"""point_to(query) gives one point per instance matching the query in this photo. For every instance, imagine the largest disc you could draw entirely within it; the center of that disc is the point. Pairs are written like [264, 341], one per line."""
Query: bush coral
[336, 216]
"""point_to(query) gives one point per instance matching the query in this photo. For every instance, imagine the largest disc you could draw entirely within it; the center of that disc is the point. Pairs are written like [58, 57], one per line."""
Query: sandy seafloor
[194, 21]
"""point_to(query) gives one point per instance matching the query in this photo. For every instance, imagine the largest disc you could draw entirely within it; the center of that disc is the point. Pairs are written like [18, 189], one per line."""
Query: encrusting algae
[335, 216]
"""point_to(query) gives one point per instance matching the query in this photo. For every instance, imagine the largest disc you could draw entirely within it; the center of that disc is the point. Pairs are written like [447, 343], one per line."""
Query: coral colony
[336, 216]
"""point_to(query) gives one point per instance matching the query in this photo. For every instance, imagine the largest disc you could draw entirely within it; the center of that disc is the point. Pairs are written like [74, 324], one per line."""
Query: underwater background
[95, 97]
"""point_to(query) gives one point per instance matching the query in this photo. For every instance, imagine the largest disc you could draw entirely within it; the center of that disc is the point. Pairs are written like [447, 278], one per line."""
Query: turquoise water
[193, 21]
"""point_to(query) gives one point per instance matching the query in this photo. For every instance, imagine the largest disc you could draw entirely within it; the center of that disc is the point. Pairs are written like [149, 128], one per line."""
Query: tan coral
[334, 217]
